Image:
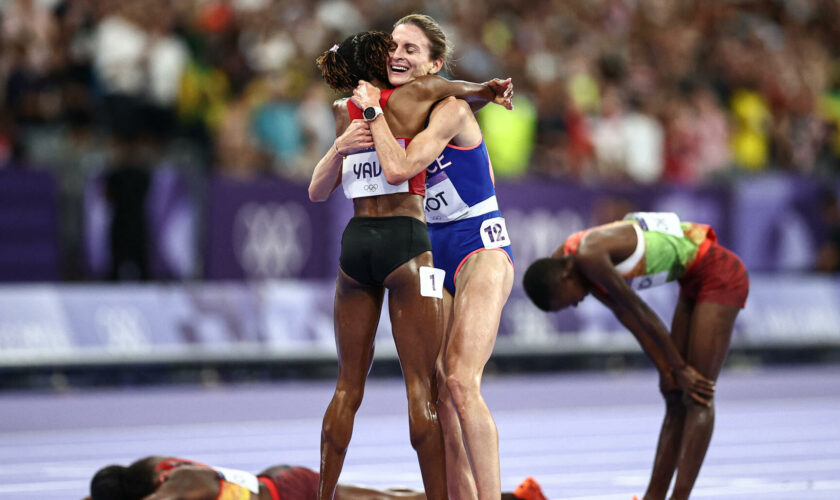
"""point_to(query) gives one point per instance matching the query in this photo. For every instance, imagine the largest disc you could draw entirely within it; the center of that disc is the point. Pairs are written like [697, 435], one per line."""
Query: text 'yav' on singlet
[361, 172]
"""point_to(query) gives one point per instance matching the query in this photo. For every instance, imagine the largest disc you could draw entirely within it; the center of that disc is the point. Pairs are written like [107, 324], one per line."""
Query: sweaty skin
[415, 319]
[472, 315]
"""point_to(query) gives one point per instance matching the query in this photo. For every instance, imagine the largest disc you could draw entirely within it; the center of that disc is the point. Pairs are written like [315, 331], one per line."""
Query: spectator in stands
[126, 186]
[763, 74]
[828, 253]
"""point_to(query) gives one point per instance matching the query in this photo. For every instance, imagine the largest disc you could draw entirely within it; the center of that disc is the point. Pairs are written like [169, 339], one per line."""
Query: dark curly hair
[118, 482]
[541, 278]
[363, 56]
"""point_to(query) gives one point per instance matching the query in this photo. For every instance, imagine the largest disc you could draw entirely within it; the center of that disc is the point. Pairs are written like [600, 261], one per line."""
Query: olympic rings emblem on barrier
[371, 187]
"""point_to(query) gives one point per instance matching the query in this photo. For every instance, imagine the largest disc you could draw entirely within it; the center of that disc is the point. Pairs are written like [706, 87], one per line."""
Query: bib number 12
[494, 233]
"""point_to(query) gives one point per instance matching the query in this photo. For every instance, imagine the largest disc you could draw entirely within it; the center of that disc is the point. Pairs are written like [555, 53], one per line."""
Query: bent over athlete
[649, 249]
[384, 246]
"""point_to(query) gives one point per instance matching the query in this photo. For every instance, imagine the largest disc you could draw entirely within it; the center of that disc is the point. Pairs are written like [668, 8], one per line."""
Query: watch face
[369, 113]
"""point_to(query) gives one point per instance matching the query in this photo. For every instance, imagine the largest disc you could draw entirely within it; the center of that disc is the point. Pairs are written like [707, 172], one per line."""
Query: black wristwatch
[371, 112]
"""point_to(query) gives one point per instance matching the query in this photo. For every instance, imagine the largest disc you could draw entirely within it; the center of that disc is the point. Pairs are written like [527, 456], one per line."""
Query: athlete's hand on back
[503, 90]
[365, 94]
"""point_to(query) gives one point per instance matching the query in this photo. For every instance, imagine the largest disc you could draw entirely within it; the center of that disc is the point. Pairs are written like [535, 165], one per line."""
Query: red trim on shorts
[269, 485]
[464, 260]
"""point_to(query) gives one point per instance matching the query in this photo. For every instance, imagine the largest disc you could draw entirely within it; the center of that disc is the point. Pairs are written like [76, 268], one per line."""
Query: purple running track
[584, 436]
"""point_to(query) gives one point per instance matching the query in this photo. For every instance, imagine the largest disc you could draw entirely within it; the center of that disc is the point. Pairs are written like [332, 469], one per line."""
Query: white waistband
[483, 207]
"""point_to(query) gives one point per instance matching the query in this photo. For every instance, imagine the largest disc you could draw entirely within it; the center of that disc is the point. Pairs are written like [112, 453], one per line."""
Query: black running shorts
[373, 247]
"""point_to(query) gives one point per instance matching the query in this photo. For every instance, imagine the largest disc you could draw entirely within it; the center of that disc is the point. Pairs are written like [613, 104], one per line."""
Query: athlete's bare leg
[417, 326]
[483, 286]
[708, 344]
[701, 332]
[347, 492]
[459, 479]
[670, 435]
[356, 316]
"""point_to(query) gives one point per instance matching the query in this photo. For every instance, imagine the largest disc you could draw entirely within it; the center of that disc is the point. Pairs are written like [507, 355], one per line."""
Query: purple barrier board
[293, 319]
[268, 229]
[28, 226]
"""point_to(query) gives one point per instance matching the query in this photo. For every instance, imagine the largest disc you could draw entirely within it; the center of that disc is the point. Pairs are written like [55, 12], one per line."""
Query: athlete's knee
[461, 387]
[698, 409]
[348, 397]
[423, 421]
[674, 401]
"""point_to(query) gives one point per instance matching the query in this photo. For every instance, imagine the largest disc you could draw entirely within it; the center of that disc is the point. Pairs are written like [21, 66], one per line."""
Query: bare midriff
[390, 205]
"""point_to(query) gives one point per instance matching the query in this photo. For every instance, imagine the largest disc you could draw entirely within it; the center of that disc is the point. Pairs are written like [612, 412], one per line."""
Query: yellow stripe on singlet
[232, 491]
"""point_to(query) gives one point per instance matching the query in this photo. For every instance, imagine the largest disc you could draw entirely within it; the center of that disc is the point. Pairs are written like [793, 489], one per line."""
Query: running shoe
[529, 490]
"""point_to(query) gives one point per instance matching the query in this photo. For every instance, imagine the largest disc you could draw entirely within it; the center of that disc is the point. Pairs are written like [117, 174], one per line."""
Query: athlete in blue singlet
[470, 242]
[461, 209]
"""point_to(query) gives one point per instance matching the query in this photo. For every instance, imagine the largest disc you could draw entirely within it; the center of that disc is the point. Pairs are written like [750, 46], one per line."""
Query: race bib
[239, 478]
[443, 204]
[362, 176]
[494, 233]
[661, 222]
[431, 282]
[649, 281]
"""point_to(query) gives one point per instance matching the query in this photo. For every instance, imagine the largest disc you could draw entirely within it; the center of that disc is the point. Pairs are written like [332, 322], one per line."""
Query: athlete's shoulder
[340, 104]
[452, 104]
[423, 87]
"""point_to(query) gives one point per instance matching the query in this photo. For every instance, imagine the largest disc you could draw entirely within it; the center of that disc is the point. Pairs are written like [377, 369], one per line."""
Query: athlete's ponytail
[338, 67]
[363, 56]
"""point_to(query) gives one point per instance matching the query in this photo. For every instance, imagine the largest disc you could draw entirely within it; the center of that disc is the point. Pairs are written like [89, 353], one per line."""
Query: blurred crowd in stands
[635, 91]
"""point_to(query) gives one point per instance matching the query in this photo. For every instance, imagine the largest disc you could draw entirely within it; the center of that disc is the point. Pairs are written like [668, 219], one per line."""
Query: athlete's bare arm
[653, 352]
[350, 137]
[188, 483]
[446, 121]
[434, 88]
